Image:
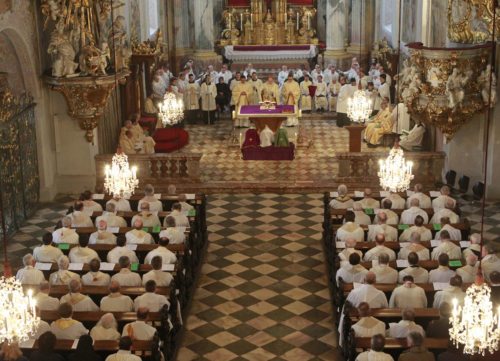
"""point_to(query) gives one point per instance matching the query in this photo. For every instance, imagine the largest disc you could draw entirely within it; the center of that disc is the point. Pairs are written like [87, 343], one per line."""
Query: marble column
[182, 33]
[336, 31]
[204, 37]
[362, 21]
[321, 20]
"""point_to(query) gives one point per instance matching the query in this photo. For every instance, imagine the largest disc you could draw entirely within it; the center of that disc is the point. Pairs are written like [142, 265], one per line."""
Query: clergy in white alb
[167, 256]
[381, 227]
[320, 97]
[376, 352]
[138, 235]
[62, 276]
[79, 301]
[408, 215]
[368, 293]
[66, 328]
[414, 137]
[419, 274]
[121, 204]
[455, 234]
[102, 236]
[360, 217]
[44, 302]
[343, 201]
[423, 232]
[404, 327]
[151, 300]
[490, 261]
[443, 273]
[29, 275]
[94, 277]
[155, 205]
[162, 278]
[78, 217]
[368, 201]
[454, 291]
[424, 199]
[440, 201]
[47, 252]
[408, 295]
[181, 220]
[350, 230]
[106, 329]
[174, 234]
[82, 253]
[140, 330]
[446, 247]
[383, 272]
[124, 353]
[401, 120]
[468, 272]
[397, 202]
[65, 234]
[121, 250]
[392, 217]
[115, 301]
[367, 325]
[126, 277]
[149, 219]
[111, 219]
[352, 271]
[445, 212]
[379, 248]
[349, 249]
[475, 245]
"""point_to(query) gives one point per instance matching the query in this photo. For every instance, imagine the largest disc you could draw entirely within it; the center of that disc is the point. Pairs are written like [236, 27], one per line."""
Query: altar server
[383, 92]
[320, 96]
[290, 93]
[192, 99]
[333, 93]
[305, 97]
[346, 92]
[208, 93]
[256, 83]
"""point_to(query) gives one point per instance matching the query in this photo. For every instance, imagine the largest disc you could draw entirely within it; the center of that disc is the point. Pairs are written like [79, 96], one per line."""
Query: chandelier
[394, 171]
[18, 320]
[474, 325]
[171, 110]
[359, 107]
[119, 179]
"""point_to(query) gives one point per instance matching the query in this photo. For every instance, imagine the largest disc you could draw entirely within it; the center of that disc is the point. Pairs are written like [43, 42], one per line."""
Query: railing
[158, 169]
[362, 168]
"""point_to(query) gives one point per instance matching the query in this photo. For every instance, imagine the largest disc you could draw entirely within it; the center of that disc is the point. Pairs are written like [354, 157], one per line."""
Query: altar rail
[361, 168]
[158, 169]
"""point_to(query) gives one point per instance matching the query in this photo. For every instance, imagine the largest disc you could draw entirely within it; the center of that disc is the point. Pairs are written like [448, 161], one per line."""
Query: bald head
[370, 278]
[380, 239]
[471, 260]
[350, 243]
[114, 287]
[445, 190]
[382, 217]
[415, 202]
[475, 238]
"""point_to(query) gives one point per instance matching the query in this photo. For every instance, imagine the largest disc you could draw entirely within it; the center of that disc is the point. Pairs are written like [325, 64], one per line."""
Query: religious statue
[51, 9]
[486, 87]
[230, 34]
[434, 75]
[118, 40]
[63, 53]
[89, 59]
[269, 29]
[247, 32]
[455, 89]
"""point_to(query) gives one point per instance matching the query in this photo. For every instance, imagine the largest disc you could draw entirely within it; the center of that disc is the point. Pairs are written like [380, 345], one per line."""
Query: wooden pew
[129, 215]
[428, 265]
[340, 213]
[396, 246]
[139, 348]
[98, 292]
[166, 200]
[422, 315]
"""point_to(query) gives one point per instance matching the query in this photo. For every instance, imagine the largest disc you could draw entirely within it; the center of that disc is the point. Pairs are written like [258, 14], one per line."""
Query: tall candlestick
[297, 20]
[251, 21]
[241, 21]
[308, 21]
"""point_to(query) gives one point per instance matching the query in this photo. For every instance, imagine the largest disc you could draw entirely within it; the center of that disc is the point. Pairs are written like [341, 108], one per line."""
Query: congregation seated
[155, 205]
[368, 293]
[419, 274]
[416, 351]
[140, 330]
[174, 234]
[124, 353]
[115, 301]
[47, 252]
[344, 255]
[383, 272]
[454, 291]
[109, 216]
[360, 217]
[350, 230]
[65, 234]
[469, 271]
[404, 327]
[475, 246]
[414, 246]
[138, 235]
[408, 295]
[444, 198]
[185, 206]
[162, 279]
[46, 346]
[454, 233]
[397, 202]
[106, 329]
[121, 250]
[343, 201]
[376, 351]
[66, 328]
[373, 253]
[352, 271]
[79, 301]
[443, 273]
[167, 256]
[181, 220]
[446, 247]
[102, 236]
[120, 204]
[89, 205]
[447, 211]
[490, 261]
[408, 215]
[423, 199]
[392, 217]
[125, 277]
[94, 277]
[82, 253]
[62, 276]
[44, 302]
[150, 299]
[440, 328]
[368, 201]
[390, 233]
[84, 350]
[148, 218]
[424, 233]
[29, 275]
[367, 325]
[78, 217]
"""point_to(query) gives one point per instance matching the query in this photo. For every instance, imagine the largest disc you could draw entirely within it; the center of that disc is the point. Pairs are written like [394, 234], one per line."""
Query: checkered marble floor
[262, 293]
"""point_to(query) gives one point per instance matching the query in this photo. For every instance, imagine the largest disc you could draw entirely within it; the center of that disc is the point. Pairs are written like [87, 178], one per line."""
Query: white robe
[123, 355]
[423, 199]
[175, 235]
[148, 219]
[414, 138]
[444, 212]
[115, 254]
[403, 328]
[373, 356]
[419, 274]
[422, 252]
[46, 303]
[30, 276]
[80, 303]
[140, 330]
[369, 203]
[162, 279]
[362, 218]
[397, 201]
[344, 255]
[117, 302]
[468, 273]
[82, 255]
[489, 264]
[425, 233]
[99, 333]
[121, 205]
[152, 301]
[440, 202]
[62, 277]
[368, 327]
[373, 253]
[455, 234]
[111, 220]
[403, 297]
[385, 274]
[408, 215]
[391, 233]
[48, 254]
[447, 295]
[96, 279]
[73, 331]
[266, 137]
[401, 119]
[320, 99]
[127, 278]
[208, 92]
[138, 236]
[155, 205]
[181, 220]
[350, 230]
[451, 249]
[350, 273]
[441, 274]
[167, 256]
[102, 237]
[369, 294]
[65, 235]
[392, 217]
[346, 92]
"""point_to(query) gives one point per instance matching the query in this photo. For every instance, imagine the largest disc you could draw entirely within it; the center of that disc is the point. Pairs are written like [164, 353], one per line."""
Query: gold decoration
[382, 52]
[471, 21]
[149, 47]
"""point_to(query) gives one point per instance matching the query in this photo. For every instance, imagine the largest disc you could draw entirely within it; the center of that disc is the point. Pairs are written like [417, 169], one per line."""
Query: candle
[251, 21]
[241, 20]
[297, 20]
[285, 18]
[240, 138]
[308, 21]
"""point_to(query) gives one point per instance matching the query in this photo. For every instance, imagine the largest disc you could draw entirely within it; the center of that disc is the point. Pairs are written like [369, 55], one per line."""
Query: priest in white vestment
[408, 295]
[446, 247]
[443, 273]
[29, 275]
[174, 234]
[167, 256]
[66, 328]
[121, 204]
[352, 271]
[162, 278]
[368, 201]
[425, 233]
[62, 276]
[150, 299]
[392, 217]
[408, 215]
[401, 119]
[490, 261]
[454, 291]
[414, 246]
[138, 235]
[78, 217]
[106, 329]
[350, 245]
[266, 136]
[181, 220]
[455, 234]
[404, 327]
[79, 301]
[469, 271]
[414, 138]
[110, 217]
[397, 202]
[419, 274]
[47, 252]
[367, 325]
[115, 301]
[424, 199]
[446, 212]
[140, 330]
[126, 277]
[94, 277]
[320, 97]
[343, 201]
[155, 205]
[368, 293]
[360, 217]
[350, 230]
[149, 219]
[44, 302]
[102, 236]
[82, 253]
[121, 250]
[376, 352]
[383, 272]
[65, 234]
[443, 199]
[390, 233]
[474, 248]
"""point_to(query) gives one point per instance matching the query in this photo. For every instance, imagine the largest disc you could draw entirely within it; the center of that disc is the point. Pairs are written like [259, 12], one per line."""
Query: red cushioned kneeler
[170, 139]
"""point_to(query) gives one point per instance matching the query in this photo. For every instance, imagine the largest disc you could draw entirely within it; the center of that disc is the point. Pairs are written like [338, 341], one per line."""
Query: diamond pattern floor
[263, 293]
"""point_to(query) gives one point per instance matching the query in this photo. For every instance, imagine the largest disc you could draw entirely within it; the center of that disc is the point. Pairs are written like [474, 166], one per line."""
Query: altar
[269, 53]
[272, 117]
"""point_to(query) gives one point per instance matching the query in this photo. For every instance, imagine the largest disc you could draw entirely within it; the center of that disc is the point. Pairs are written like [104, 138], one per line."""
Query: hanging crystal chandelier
[18, 320]
[120, 180]
[171, 110]
[474, 325]
[395, 172]
[359, 107]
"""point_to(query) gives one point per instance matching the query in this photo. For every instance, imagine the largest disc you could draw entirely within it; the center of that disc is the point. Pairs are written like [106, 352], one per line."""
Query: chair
[478, 191]
[450, 177]
[463, 184]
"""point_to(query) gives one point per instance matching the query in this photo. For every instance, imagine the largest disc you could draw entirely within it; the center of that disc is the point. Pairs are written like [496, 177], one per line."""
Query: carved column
[361, 27]
[204, 40]
[336, 32]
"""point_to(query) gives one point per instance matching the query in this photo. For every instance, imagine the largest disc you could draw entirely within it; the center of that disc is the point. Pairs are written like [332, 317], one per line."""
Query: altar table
[259, 53]
[273, 118]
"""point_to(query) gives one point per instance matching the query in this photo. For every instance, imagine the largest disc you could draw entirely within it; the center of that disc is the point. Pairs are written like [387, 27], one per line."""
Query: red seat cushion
[170, 139]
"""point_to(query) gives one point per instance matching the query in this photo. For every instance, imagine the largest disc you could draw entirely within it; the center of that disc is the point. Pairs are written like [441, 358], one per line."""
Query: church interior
[249, 180]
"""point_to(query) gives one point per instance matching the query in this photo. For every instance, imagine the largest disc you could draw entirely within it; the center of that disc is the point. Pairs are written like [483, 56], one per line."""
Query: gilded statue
[269, 30]
[62, 52]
